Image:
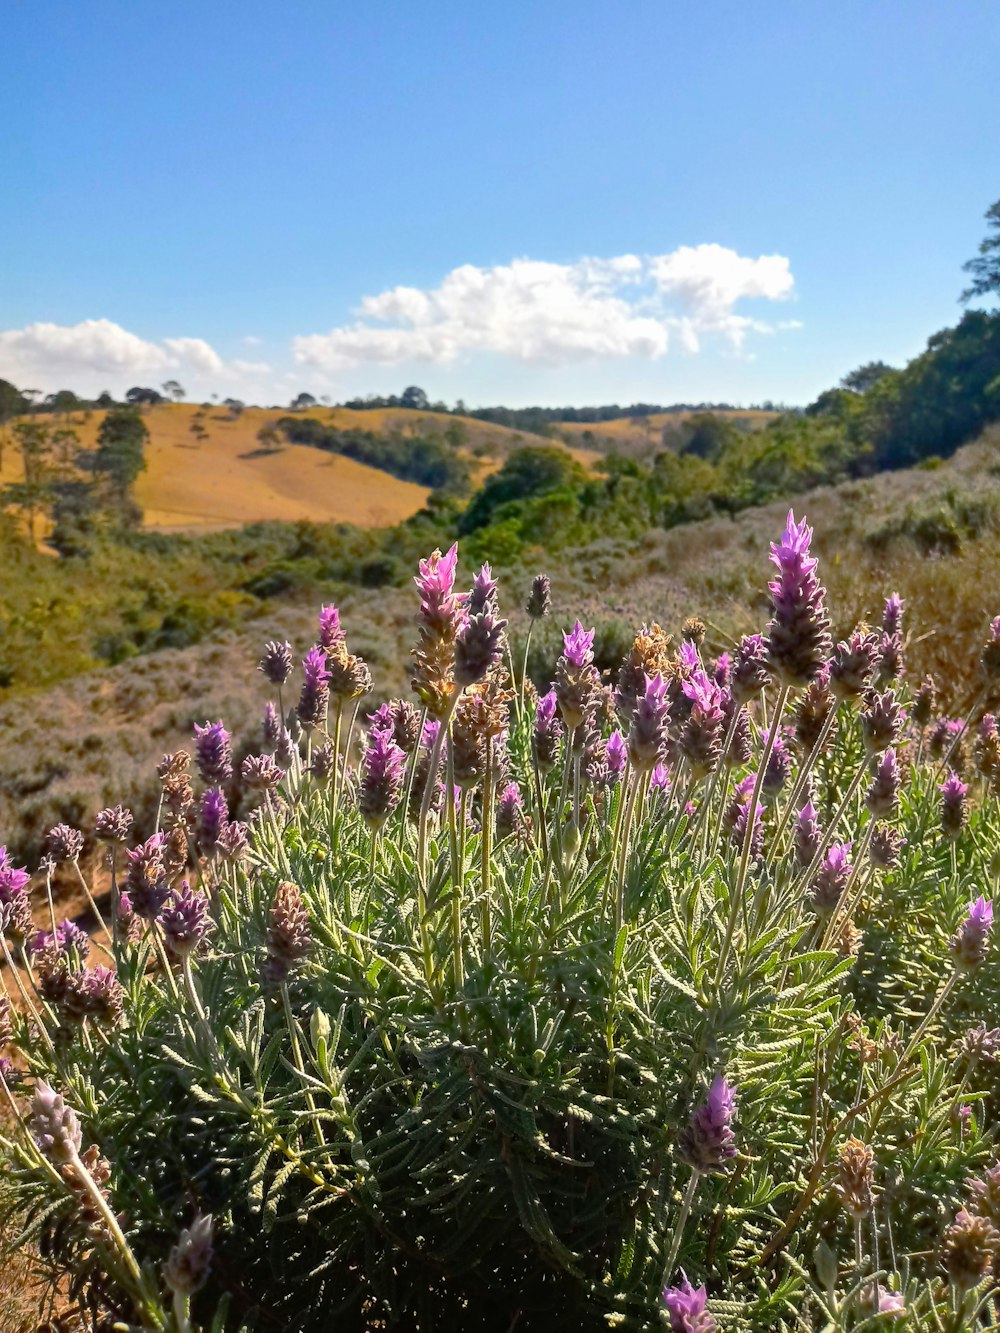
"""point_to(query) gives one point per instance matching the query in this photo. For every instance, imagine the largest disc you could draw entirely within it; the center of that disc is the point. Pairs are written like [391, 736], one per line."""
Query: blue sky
[209, 192]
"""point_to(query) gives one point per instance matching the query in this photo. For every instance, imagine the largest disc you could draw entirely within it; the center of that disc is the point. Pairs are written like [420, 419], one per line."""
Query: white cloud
[559, 314]
[97, 353]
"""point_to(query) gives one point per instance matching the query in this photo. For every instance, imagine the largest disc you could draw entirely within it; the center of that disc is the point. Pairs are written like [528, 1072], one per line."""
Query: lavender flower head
[271, 725]
[547, 732]
[659, 779]
[539, 601]
[886, 847]
[440, 620]
[779, 766]
[190, 1260]
[577, 682]
[479, 646]
[852, 664]
[832, 877]
[113, 824]
[289, 939]
[185, 921]
[891, 664]
[578, 646]
[13, 880]
[708, 1144]
[260, 773]
[648, 735]
[882, 797]
[314, 698]
[808, 835]
[381, 786]
[749, 672]
[233, 844]
[68, 937]
[331, 636]
[970, 942]
[736, 816]
[722, 670]
[146, 879]
[954, 805]
[685, 1307]
[616, 754]
[701, 734]
[484, 592]
[62, 843]
[213, 812]
[54, 1126]
[276, 662]
[510, 811]
[213, 753]
[798, 639]
[882, 720]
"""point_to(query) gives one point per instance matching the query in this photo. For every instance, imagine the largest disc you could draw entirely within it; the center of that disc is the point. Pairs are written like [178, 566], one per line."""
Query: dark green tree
[120, 453]
[140, 397]
[866, 376]
[985, 268]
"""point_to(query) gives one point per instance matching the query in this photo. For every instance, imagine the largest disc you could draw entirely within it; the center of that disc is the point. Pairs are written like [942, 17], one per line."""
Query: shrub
[433, 1050]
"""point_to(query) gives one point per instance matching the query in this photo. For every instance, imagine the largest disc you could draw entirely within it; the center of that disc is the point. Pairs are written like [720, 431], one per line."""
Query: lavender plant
[662, 1001]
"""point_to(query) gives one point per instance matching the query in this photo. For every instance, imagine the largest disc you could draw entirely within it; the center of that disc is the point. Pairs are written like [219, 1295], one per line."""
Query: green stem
[737, 898]
[293, 1034]
[486, 845]
[682, 1217]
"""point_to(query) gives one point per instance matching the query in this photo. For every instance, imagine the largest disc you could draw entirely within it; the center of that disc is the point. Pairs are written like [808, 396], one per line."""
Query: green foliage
[414, 458]
[121, 443]
[526, 474]
[985, 268]
[466, 1105]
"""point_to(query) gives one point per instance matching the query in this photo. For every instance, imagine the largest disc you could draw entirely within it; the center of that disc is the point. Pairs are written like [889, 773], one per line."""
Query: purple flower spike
[779, 767]
[617, 753]
[68, 936]
[831, 879]
[213, 812]
[970, 942]
[578, 646]
[13, 880]
[436, 583]
[701, 734]
[798, 639]
[214, 753]
[484, 592]
[660, 779]
[708, 1144]
[314, 699]
[113, 824]
[260, 772]
[510, 811]
[185, 921]
[146, 880]
[479, 646]
[883, 794]
[882, 720]
[892, 614]
[381, 778]
[331, 636]
[686, 1308]
[647, 738]
[62, 843]
[954, 806]
[276, 662]
[722, 670]
[749, 672]
[808, 835]
[54, 1126]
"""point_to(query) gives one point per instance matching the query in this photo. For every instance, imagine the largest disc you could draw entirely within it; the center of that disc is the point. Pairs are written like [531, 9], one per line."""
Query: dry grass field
[226, 478]
[640, 433]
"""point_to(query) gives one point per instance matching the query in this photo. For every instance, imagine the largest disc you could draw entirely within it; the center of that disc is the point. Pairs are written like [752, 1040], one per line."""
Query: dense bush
[424, 460]
[524, 1015]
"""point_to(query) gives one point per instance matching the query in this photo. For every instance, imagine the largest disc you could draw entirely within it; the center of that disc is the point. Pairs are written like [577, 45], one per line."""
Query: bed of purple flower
[666, 999]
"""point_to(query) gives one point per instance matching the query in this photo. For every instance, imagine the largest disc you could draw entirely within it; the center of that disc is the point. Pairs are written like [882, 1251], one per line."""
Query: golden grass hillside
[629, 434]
[207, 470]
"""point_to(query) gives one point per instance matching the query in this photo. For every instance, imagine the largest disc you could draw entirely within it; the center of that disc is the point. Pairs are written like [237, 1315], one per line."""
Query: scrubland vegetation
[608, 947]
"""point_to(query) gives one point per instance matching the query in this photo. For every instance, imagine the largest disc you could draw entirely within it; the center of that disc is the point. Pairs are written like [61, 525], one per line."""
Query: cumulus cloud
[50, 356]
[560, 314]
